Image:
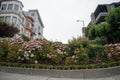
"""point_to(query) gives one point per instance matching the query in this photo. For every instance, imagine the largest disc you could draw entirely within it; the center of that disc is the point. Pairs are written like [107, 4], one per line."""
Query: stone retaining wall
[83, 73]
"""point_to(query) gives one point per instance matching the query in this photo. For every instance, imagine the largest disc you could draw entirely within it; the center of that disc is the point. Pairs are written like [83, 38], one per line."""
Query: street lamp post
[83, 28]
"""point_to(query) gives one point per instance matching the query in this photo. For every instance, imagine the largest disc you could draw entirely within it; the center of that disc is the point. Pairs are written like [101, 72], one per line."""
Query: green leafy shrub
[99, 41]
[25, 38]
[69, 67]
[4, 46]
[81, 56]
[13, 52]
[70, 60]
[77, 43]
[96, 54]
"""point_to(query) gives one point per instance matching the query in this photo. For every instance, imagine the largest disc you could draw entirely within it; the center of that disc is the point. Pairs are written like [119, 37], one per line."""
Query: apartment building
[38, 25]
[28, 22]
[101, 12]
[29, 27]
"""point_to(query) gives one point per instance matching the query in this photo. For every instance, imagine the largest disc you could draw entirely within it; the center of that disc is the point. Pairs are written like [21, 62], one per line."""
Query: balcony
[19, 13]
[101, 17]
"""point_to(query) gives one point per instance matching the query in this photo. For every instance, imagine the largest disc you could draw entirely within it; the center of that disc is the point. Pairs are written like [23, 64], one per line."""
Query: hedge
[66, 67]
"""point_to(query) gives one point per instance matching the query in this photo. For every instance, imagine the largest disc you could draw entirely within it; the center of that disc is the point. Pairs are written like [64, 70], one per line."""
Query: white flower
[65, 52]
[20, 49]
[48, 56]
[19, 58]
[36, 61]
[33, 49]
[27, 58]
[32, 55]
[29, 51]
[73, 56]
[59, 51]
[25, 52]
[22, 59]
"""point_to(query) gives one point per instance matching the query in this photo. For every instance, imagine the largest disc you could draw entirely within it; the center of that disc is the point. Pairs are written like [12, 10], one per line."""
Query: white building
[38, 25]
[11, 11]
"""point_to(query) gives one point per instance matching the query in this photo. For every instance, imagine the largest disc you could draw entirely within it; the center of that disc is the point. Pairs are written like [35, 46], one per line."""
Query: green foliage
[25, 38]
[100, 41]
[58, 58]
[81, 52]
[77, 43]
[82, 59]
[109, 30]
[13, 52]
[92, 32]
[81, 56]
[4, 46]
[99, 31]
[70, 60]
[69, 67]
[96, 54]
[114, 21]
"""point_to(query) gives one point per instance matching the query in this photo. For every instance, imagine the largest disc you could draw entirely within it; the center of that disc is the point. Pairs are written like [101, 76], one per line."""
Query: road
[13, 76]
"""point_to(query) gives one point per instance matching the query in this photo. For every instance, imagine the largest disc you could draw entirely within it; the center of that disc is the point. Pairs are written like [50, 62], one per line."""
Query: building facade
[101, 12]
[29, 23]
[38, 25]
[29, 27]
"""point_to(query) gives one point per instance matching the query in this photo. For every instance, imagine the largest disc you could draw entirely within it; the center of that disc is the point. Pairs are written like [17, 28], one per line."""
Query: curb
[83, 73]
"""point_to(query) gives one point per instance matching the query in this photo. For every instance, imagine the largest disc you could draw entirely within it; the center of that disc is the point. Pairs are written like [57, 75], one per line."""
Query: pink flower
[36, 61]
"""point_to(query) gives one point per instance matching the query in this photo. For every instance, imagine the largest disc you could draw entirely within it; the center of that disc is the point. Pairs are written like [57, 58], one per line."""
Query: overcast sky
[59, 16]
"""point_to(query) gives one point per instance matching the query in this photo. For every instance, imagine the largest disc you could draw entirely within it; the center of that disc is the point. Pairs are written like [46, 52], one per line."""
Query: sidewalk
[11, 76]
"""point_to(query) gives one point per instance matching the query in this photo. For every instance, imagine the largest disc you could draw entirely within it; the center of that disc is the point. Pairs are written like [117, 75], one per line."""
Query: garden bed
[65, 67]
[72, 71]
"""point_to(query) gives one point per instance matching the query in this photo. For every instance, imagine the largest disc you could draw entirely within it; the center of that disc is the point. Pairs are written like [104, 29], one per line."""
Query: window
[7, 19]
[22, 29]
[23, 19]
[27, 24]
[39, 33]
[10, 6]
[32, 14]
[38, 28]
[20, 8]
[112, 6]
[14, 20]
[1, 18]
[4, 6]
[16, 7]
[34, 30]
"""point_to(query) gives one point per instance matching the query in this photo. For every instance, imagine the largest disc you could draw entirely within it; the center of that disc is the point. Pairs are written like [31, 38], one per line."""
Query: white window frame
[2, 8]
[9, 6]
[16, 7]
[14, 20]
[7, 18]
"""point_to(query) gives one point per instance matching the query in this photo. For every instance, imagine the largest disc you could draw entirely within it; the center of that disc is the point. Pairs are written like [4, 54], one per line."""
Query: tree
[92, 32]
[101, 31]
[77, 43]
[7, 30]
[109, 30]
[113, 19]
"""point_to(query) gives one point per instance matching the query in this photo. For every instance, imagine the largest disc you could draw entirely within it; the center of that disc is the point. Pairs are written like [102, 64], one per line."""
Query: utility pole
[83, 28]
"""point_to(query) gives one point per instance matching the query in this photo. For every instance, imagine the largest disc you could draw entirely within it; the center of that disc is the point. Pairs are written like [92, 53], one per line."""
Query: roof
[35, 10]
[13, 0]
[99, 5]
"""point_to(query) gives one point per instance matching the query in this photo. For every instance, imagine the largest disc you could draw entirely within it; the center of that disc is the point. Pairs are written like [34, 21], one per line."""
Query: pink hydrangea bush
[113, 51]
[36, 51]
